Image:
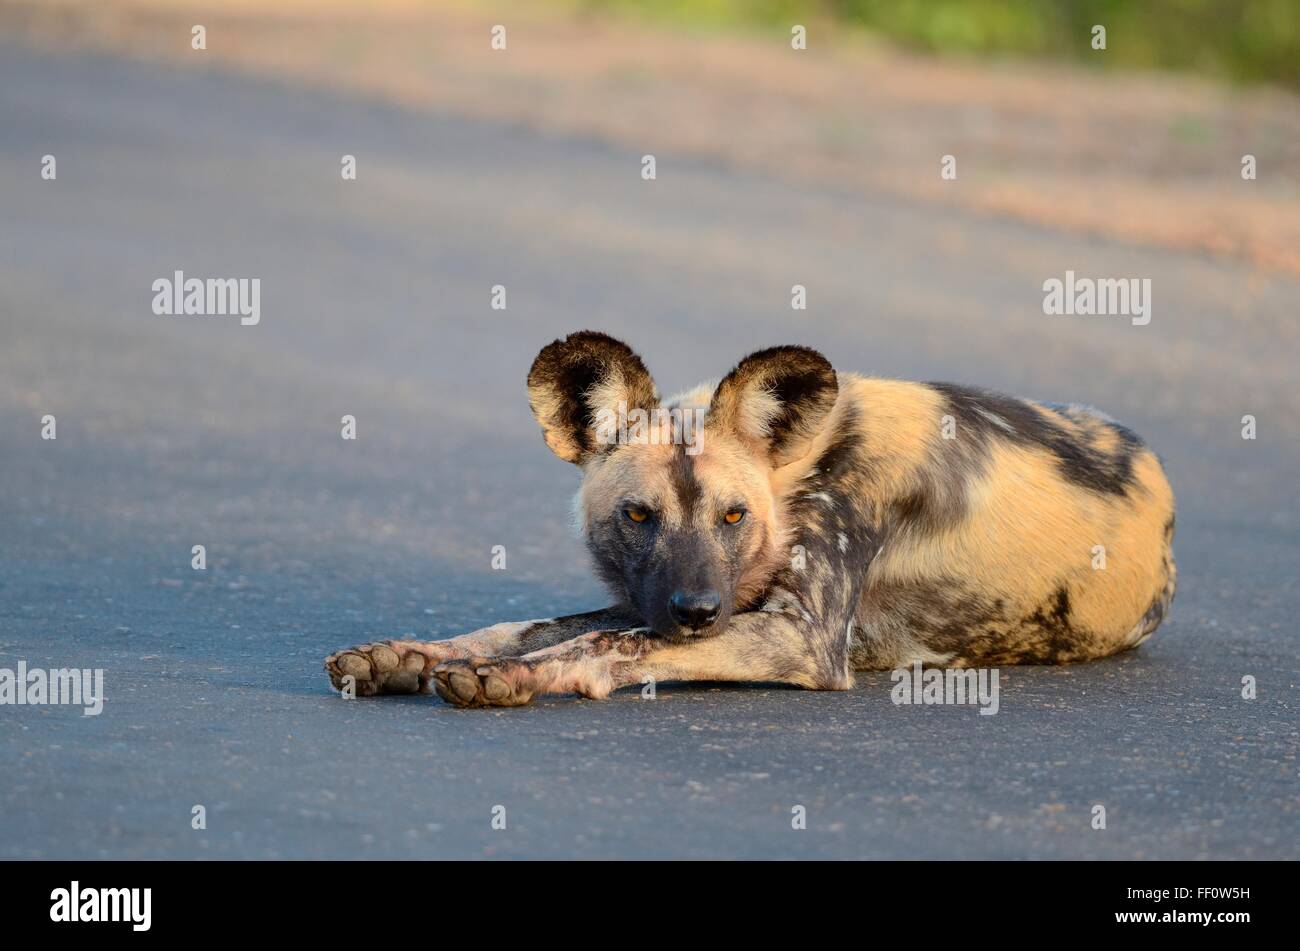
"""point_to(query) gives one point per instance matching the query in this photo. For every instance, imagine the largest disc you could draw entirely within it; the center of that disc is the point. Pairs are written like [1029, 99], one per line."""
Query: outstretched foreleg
[759, 647]
[404, 666]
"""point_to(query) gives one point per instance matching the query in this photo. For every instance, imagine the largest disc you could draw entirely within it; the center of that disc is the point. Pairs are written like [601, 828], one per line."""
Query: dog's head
[676, 502]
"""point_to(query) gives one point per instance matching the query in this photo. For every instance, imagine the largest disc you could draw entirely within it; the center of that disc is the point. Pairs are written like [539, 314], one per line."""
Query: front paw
[388, 667]
[484, 682]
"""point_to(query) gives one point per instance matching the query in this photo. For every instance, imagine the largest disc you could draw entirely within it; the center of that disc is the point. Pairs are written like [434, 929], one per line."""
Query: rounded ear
[577, 387]
[776, 401]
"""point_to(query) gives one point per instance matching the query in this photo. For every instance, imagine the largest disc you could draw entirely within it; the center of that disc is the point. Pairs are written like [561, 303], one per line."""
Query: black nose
[695, 609]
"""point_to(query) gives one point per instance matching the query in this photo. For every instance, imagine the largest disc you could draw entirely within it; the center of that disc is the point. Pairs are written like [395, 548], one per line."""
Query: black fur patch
[843, 456]
[1155, 614]
[952, 619]
[616, 618]
[612, 547]
[802, 388]
[1160, 606]
[1077, 456]
[933, 505]
[826, 505]
[685, 485]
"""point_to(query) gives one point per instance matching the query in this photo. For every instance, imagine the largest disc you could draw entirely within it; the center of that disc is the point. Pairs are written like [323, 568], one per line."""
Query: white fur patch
[996, 420]
[608, 393]
[1135, 636]
[578, 515]
[924, 656]
[778, 601]
[697, 397]
[758, 407]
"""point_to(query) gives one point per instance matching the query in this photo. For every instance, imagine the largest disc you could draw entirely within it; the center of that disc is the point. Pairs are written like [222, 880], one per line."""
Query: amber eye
[734, 516]
[635, 514]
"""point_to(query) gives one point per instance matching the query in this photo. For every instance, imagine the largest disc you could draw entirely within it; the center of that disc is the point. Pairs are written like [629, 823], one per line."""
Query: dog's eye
[734, 516]
[635, 514]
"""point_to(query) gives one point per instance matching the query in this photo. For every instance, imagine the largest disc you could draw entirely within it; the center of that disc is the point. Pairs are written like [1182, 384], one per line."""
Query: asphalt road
[173, 432]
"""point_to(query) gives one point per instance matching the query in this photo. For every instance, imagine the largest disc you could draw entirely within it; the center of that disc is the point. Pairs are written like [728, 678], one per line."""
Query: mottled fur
[883, 523]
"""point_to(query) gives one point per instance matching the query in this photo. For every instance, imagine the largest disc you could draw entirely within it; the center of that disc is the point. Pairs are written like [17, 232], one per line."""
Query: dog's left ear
[776, 401]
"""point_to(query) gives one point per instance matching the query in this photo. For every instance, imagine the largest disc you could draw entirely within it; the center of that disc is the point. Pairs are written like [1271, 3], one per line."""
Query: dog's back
[1009, 531]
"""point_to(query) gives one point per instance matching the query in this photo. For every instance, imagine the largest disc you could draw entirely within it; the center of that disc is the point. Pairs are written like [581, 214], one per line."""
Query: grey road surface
[173, 432]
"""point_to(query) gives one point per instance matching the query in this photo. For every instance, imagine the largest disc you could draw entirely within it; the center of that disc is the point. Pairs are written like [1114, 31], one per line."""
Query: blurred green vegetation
[1248, 40]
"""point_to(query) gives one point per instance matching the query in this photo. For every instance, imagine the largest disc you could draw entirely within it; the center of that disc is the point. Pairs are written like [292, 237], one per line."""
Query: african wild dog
[823, 523]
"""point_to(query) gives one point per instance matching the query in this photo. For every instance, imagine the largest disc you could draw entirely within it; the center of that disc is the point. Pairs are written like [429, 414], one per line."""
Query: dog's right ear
[577, 384]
